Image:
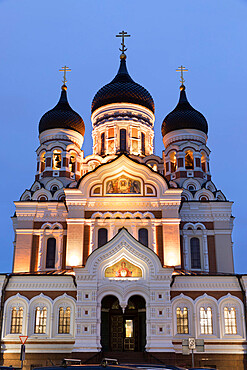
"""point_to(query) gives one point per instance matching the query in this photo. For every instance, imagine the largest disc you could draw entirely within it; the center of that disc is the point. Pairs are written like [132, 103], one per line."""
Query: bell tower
[184, 132]
[123, 115]
[61, 134]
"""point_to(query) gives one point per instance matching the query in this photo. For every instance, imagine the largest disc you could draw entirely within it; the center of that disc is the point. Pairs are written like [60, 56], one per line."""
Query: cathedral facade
[123, 250]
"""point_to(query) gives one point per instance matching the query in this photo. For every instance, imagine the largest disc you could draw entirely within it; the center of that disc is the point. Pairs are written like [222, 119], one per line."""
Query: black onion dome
[122, 89]
[184, 116]
[62, 116]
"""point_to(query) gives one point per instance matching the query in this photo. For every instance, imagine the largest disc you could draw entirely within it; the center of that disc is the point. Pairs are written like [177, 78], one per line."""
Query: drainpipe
[7, 278]
[239, 277]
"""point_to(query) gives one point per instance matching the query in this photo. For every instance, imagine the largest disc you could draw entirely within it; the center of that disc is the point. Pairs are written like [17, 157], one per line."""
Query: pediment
[123, 252]
[123, 176]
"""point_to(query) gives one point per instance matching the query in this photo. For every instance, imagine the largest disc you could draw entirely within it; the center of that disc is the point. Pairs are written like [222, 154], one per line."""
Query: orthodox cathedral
[123, 250]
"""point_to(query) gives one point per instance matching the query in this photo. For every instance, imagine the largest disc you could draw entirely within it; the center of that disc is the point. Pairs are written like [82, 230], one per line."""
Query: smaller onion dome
[122, 89]
[62, 116]
[184, 116]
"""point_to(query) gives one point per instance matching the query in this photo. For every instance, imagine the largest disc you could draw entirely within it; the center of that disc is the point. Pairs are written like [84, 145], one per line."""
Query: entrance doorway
[123, 331]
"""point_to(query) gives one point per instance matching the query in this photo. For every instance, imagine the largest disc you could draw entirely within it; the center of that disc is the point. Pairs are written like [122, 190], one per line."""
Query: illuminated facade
[123, 250]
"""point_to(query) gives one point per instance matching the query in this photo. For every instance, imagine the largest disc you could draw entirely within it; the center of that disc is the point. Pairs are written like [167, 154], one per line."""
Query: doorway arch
[123, 331]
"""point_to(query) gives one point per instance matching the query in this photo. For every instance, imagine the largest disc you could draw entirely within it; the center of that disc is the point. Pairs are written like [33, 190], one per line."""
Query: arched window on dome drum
[50, 253]
[16, 320]
[143, 236]
[122, 140]
[42, 162]
[189, 160]
[173, 161]
[64, 321]
[102, 237]
[204, 163]
[143, 143]
[57, 160]
[195, 254]
[72, 163]
[102, 137]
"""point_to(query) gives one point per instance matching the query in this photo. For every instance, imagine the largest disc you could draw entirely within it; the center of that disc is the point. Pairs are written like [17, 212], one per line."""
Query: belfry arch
[123, 329]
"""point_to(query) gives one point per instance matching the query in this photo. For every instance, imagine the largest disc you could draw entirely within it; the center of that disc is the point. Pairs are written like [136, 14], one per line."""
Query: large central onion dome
[122, 89]
[62, 116]
[184, 116]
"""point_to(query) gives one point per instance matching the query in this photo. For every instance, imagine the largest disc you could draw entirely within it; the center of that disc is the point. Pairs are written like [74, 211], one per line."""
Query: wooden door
[117, 333]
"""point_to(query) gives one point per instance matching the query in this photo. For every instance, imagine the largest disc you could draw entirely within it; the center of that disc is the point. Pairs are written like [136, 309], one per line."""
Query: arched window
[50, 253]
[40, 320]
[102, 236]
[189, 160]
[16, 320]
[230, 320]
[143, 236]
[195, 254]
[57, 160]
[173, 161]
[102, 152]
[72, 163]
[64, 321]
[203, 163]
[122, 140]
[143, 143]
[206, 320]
[182, 321]
[42, 162]
[43, 198]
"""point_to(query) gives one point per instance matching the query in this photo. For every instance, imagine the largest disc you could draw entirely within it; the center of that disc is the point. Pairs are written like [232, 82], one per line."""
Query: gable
[123, 176]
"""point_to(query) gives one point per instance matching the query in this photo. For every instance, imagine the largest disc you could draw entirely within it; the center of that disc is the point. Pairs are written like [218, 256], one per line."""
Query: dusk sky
[209, 37]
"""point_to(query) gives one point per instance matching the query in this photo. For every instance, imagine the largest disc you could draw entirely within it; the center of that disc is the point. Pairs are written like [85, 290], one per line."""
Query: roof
[184, 116]
[62, 116]
[122, 89]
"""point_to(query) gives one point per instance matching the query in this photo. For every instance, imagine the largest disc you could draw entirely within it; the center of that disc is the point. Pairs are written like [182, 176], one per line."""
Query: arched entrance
[123, 331]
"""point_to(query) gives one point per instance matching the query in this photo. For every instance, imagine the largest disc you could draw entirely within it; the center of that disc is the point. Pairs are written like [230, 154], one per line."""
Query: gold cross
[64, 70]
[123, 35]
[182, 69]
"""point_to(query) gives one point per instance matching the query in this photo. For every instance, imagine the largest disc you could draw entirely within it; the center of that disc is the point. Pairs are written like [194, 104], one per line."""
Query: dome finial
[123, 34]
[64, 70]
[182, 69]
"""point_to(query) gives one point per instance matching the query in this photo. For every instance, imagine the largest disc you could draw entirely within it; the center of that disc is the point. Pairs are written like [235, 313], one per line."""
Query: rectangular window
[123, 145]
[129, 328]
[135, 145]
[16, 321]
[102, 144]
[230, 320]
[110, 133]
[64, 321]
[40, 320]
[206, 320]
[110, 146]
[135, 133]
[182, 321]
[143, 143]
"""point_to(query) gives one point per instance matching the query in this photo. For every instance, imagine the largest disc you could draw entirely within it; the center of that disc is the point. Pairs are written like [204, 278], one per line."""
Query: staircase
[130, 357]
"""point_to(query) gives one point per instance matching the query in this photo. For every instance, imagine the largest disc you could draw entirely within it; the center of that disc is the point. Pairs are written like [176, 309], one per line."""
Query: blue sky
[208, 37]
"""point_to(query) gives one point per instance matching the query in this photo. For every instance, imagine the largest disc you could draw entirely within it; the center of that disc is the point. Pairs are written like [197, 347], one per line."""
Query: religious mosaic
[123, 185]
[123, 269]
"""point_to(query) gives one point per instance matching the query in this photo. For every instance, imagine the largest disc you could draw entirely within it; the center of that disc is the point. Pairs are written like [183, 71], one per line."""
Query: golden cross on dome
[64, 70]
[123, 34]
[182, 69]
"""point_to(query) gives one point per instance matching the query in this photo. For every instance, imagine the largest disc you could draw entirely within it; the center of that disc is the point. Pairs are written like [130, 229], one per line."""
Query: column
[205, 251]
[186, 252]
[75, 239]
